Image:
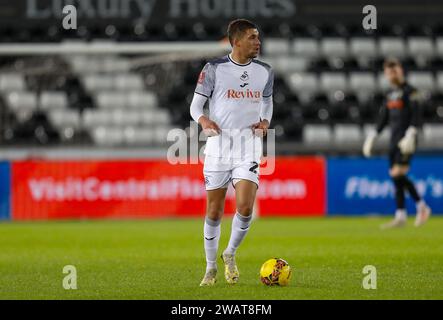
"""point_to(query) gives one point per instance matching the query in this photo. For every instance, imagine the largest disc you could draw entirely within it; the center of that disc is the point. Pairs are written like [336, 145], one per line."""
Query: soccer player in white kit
[239, 89]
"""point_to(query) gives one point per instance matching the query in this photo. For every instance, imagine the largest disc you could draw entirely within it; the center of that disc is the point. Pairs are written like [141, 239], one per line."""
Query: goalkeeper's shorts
[396, 157]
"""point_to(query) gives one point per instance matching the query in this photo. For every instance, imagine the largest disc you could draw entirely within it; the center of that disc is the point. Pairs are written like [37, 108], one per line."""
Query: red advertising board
[152, 188]
[297, 187]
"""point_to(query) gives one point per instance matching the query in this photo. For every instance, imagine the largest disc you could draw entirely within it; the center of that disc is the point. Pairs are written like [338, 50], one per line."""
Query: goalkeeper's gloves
[407, 143]
[368, 144]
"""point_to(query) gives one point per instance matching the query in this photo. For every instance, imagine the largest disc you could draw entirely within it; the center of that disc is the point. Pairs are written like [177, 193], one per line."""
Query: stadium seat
[121, 82]
[162, 117]
[317, 134]
[306, 83]
[122, 117]
[53, 100]
[420, 47]
[114, 64]
[276, 46]
[347, 133]
[362, 81]
[439, 46]
[147, 117]
[433, 135]
[138, 136]
[11, 82]
[334, 47]
[21, 101]
[392, 47]
[288, 64]
[423, 81]
[130, 82]
[96, 82]
[82, 64]
[108, 136]
[88, 65]
[111, 99]
[305, 47]
[61, 119]
[363, 47]
[155, 117]
[333, 81]
[144, 99]
[93, 118]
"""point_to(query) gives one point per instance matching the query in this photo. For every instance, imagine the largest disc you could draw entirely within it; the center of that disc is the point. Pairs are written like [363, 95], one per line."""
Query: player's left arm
[407, 144]
[266, 107]
[415, 103]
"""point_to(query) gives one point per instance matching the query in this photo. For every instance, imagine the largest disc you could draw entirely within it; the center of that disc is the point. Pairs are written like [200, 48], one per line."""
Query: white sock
[401, 214]
[420, 204]
[211, 233]
[240, 227]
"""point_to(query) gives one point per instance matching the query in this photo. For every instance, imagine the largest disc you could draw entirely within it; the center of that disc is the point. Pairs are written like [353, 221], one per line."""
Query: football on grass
[275, 271]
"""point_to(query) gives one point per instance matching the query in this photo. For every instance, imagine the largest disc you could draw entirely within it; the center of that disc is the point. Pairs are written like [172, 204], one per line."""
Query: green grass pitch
[164, 259]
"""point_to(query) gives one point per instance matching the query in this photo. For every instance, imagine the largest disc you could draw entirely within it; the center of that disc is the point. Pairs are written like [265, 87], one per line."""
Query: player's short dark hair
[391, 62]
[238, 27]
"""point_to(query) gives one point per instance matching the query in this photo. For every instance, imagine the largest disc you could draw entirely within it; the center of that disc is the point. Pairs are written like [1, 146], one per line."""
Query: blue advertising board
[363, 186]
[5, 190]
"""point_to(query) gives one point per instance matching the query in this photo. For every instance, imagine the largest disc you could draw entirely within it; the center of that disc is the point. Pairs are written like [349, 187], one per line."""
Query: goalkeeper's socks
[240, 227]
[399, 192]
[421, 204]
[211, 233]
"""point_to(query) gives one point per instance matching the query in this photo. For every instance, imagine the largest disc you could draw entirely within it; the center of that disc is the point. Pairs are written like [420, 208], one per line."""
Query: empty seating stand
[329, 85]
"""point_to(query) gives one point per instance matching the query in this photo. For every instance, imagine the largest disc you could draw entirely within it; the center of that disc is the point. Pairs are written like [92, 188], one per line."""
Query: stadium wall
[126, 189]
[186, 12]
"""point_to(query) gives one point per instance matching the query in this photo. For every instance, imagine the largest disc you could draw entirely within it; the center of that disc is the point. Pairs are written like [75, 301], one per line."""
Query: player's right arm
[381, 124]
[383, 119]
[203, 91]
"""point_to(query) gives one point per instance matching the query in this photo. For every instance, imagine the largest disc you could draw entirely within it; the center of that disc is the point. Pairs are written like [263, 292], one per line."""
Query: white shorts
[219, 172]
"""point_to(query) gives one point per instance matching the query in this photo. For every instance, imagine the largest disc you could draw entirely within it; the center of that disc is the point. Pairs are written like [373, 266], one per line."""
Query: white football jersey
[235, 92]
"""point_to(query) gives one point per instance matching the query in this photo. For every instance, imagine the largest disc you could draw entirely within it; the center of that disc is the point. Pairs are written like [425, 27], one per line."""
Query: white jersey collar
[239, 64]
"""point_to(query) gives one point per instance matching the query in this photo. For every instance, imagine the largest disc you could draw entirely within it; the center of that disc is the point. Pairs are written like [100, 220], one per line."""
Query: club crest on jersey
[201, 77]
[244, 76]
[243, 94]
[396, 95]
[395, 100]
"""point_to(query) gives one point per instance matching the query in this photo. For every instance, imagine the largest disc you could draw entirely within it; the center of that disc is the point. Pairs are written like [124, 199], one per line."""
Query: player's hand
[407, 143]
[210, 128]
[260, 129]
[368, 144]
